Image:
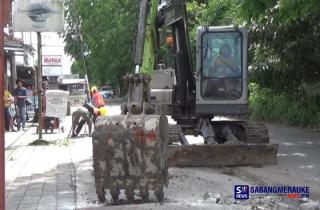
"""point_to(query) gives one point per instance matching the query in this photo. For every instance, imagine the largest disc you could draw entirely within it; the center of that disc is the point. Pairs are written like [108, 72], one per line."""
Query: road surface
[37, 175]
[213, 188]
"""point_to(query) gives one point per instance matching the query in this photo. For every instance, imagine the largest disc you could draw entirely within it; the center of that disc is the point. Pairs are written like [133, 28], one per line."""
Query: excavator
[133, 151]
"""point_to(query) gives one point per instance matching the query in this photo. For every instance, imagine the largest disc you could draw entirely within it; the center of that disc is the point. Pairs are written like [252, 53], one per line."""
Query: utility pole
[39, 82]
[2, 69]
[78, 33]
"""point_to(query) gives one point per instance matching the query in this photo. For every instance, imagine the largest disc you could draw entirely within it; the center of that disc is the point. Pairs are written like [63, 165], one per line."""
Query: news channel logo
[241, 192]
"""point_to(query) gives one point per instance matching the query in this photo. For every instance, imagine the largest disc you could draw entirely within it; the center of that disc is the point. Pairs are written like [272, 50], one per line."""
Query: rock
[207, 195]
[304, 200]
[310, 206]
[236, 202]
[267, 200]
[260, 201]
[217, 197]
[211, 200]
[282, 206]
[254, 207]
[228, 171]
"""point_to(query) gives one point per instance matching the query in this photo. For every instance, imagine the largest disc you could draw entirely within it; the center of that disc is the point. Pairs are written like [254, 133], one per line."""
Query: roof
[8, 38]
[26, 74]
[14, 44]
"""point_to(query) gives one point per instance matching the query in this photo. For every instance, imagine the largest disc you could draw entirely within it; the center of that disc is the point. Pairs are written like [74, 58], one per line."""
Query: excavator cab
[221, 76]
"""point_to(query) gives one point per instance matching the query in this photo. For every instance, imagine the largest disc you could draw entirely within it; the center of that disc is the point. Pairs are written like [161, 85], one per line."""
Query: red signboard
[51, 60]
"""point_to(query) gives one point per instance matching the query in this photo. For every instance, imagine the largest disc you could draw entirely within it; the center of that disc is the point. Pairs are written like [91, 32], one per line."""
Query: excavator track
[163, 109]
[245, 131]
[174, 134]
[255, 132]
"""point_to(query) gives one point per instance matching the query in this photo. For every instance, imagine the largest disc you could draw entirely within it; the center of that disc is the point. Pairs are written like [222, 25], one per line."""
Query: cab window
[222, 71]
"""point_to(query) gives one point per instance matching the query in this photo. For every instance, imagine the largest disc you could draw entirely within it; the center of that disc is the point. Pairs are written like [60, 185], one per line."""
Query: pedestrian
[97, 98]
[20, 95]
[45, 86]
[8, 103]
[42, 91]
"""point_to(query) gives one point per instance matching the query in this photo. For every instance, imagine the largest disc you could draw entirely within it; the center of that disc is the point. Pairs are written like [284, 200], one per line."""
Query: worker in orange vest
[97, 98]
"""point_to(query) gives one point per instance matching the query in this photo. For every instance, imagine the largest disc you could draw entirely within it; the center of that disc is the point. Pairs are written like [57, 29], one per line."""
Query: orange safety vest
[98, 100]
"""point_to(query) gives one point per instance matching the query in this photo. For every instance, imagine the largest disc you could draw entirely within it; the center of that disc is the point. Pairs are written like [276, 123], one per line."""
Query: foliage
[293, 10]
[284, 52]
[77, 67]
[269, 106]
[101, 33]
[209, 13]
[284, 56]
[284, 47]
[63, 142]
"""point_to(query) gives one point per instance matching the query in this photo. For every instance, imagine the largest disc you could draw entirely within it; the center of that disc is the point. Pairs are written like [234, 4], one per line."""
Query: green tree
[283, 46]
[101, 34]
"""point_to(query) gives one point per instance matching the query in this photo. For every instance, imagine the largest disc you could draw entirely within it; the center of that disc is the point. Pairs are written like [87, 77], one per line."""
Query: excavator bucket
[129, 153]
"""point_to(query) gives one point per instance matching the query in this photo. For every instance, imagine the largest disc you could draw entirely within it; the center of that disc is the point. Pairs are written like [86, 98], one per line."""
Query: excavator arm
[146, 41]
[152, 17]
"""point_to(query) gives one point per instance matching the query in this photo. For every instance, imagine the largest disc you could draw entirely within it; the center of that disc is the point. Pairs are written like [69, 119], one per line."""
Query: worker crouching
[85, 115]
[80, 117]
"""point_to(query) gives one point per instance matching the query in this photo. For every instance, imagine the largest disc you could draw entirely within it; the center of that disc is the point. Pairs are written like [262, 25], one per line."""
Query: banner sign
[51, 60]
[51, 70]
[38, 15]
[57, 101]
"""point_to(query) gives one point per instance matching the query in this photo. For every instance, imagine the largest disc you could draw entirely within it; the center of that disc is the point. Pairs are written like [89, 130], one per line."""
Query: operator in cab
[224, 76]
[225, 64]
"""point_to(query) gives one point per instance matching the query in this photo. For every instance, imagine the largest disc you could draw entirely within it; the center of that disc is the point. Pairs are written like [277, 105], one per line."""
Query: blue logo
[241, 192]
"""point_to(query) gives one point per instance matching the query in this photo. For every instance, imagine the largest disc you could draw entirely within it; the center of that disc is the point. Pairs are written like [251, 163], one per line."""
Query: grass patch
[266, 105]
[59, 142]
[63, 142]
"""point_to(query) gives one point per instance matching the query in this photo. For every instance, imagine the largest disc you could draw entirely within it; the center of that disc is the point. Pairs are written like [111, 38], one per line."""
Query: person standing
[20, 95]
[8, 101]
[97, 98]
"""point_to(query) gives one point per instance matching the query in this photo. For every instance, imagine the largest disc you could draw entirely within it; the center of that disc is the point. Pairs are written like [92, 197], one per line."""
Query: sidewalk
[39, 177]
[55, 176]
